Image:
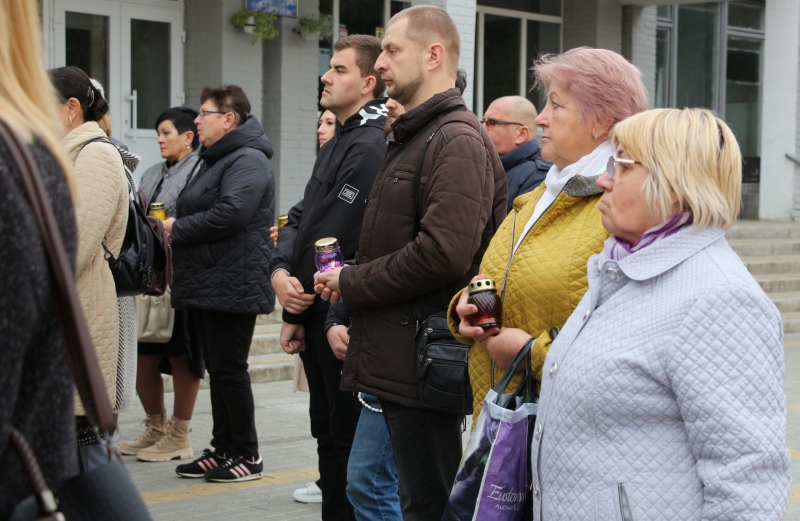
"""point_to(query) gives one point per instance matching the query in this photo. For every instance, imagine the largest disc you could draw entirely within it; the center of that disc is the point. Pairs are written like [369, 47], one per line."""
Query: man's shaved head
[429, 24]
[519, 109]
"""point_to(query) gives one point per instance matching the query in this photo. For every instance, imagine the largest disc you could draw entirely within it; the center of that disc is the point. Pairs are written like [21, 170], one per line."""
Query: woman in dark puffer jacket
[221, 254]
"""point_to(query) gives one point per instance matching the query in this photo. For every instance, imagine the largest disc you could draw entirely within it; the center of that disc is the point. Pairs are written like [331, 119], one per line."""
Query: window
[510, 36]
[711, 55]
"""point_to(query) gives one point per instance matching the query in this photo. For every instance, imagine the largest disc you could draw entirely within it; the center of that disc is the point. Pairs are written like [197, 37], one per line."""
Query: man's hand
[465, 311]
[505, 345]
[327, 285]
[290, 293]
[292, 338]
[338, 338]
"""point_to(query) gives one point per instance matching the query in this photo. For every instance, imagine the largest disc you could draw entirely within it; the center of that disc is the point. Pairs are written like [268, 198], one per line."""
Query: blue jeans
[371, 473]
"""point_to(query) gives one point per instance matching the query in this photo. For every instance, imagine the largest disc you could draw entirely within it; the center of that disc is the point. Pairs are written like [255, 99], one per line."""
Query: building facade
[738, 57]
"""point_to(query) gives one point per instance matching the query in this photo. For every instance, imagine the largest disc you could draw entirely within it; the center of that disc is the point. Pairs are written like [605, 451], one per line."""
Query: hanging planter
[258, 23]
[314, 27]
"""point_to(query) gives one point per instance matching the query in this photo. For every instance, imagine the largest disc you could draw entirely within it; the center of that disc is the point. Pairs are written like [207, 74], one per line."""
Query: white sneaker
[309, 494]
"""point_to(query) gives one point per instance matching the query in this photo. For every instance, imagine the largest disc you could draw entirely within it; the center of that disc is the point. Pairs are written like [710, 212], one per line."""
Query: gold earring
[70, 122]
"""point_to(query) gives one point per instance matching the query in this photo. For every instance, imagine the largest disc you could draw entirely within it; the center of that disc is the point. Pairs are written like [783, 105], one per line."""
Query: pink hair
[606, 87]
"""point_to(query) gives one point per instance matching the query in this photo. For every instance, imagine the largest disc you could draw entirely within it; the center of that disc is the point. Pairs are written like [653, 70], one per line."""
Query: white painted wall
[639, 44]
[779, 132]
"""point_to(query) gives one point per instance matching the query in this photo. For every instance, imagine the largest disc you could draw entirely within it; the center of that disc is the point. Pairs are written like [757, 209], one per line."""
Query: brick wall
[289, 74]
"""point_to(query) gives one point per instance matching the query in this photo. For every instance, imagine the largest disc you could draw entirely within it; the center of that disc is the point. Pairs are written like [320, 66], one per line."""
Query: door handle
[133, 97]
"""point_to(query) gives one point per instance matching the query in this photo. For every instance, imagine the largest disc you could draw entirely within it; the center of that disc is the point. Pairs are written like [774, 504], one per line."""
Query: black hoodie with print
[334, 200]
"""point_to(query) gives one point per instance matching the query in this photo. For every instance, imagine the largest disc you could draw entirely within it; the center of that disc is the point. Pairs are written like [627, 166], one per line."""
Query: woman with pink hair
[538, 255]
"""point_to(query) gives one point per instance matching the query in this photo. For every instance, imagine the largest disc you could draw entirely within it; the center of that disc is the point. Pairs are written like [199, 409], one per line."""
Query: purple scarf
[616, 249]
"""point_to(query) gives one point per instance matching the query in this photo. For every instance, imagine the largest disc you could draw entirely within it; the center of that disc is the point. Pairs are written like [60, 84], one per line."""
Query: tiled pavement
[289, 455]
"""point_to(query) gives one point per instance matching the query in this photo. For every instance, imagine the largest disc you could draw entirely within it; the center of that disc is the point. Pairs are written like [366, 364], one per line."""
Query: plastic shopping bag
[494, 478]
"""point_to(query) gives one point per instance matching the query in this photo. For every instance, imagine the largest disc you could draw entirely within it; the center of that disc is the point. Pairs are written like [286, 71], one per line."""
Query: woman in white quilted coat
[662, 397]
[102, 215]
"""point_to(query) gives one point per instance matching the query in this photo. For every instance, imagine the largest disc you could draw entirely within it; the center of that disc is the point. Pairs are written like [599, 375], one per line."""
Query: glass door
[135, 52]
[152, 80]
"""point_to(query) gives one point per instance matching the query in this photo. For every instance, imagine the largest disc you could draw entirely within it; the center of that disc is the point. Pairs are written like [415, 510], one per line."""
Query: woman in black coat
[221, 252]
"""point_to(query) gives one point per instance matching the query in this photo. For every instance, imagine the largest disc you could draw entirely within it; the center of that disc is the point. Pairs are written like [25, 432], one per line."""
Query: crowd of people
[658, 360]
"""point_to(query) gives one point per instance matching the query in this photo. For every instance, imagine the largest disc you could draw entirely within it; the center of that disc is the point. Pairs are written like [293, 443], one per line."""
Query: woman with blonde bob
[538, 255]
[662, 397]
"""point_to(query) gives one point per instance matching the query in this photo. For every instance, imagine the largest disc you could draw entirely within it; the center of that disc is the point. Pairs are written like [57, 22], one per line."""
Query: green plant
[261, 26]
[315, 27]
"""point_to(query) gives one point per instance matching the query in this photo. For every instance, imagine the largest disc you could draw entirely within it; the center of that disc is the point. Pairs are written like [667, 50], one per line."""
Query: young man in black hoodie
[332, 206]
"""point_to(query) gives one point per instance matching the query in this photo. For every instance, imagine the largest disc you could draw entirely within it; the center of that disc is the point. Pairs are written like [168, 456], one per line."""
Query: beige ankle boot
[175, 443]
[155, 427]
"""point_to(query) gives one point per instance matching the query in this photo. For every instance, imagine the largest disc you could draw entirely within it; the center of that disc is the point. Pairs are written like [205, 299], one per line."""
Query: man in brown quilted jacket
[462, 198]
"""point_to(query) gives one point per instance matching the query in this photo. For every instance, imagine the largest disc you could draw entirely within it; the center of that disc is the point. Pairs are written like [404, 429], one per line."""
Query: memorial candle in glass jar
[483, 295]
[329, 255]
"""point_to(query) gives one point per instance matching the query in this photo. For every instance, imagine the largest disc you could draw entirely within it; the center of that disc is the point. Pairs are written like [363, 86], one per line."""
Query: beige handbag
[156, 318]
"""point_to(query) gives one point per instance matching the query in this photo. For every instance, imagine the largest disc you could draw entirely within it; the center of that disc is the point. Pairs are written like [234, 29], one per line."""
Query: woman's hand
[273, 234]
[168, 224]
[465, 311]
[338, 338]
[504, 345]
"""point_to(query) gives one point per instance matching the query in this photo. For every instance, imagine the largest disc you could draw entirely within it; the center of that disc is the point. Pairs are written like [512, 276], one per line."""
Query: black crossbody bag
[442, 361]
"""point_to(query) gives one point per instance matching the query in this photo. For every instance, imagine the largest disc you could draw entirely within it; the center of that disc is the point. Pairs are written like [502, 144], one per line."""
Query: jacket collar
[519, 155]
[667, 253]
[79, 136]
[415, 120]
[372, 114]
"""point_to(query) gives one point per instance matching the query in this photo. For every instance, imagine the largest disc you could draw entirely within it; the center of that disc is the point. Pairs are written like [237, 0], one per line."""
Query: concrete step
[791, 322]
[786, 301]
[762, 248]
[764, 230]
[775, 264]
[778, 283]
[272, 318]
[263, 368]
[265, 340]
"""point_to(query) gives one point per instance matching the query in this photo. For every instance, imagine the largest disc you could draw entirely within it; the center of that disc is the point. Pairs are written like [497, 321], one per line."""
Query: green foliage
[315, 27]
[264, 24]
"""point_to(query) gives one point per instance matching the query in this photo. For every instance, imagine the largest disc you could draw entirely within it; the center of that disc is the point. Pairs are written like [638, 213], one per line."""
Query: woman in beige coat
[102, 215]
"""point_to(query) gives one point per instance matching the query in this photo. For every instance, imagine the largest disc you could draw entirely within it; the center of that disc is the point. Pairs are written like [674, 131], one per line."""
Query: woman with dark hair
[162, 183]
[102, 216]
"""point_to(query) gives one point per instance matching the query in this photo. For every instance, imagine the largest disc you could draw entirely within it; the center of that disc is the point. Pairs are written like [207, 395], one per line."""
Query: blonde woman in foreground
[35, 381]
[662, 397]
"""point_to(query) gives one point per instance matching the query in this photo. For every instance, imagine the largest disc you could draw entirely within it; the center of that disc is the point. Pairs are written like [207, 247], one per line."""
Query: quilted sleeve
[726, 369]
[98, 171]
[243, 186]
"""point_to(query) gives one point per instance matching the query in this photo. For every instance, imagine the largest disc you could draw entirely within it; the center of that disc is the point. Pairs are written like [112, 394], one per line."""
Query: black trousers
[334, 417]
[427, 452]
[225, 340]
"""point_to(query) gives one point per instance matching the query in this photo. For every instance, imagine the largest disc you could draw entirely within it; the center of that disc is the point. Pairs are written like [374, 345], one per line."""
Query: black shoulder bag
[143, 265]
[442, 361]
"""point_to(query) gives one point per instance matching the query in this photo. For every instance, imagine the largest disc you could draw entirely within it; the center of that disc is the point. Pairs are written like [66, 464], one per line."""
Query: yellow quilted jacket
[547, 275]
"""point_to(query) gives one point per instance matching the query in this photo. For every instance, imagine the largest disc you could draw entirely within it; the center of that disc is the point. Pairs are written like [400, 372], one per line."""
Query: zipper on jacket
[624, 503]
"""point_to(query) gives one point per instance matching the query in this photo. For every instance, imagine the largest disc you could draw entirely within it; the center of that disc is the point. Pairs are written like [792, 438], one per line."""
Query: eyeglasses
[611, 163]
[489, 122]
[204, 113]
